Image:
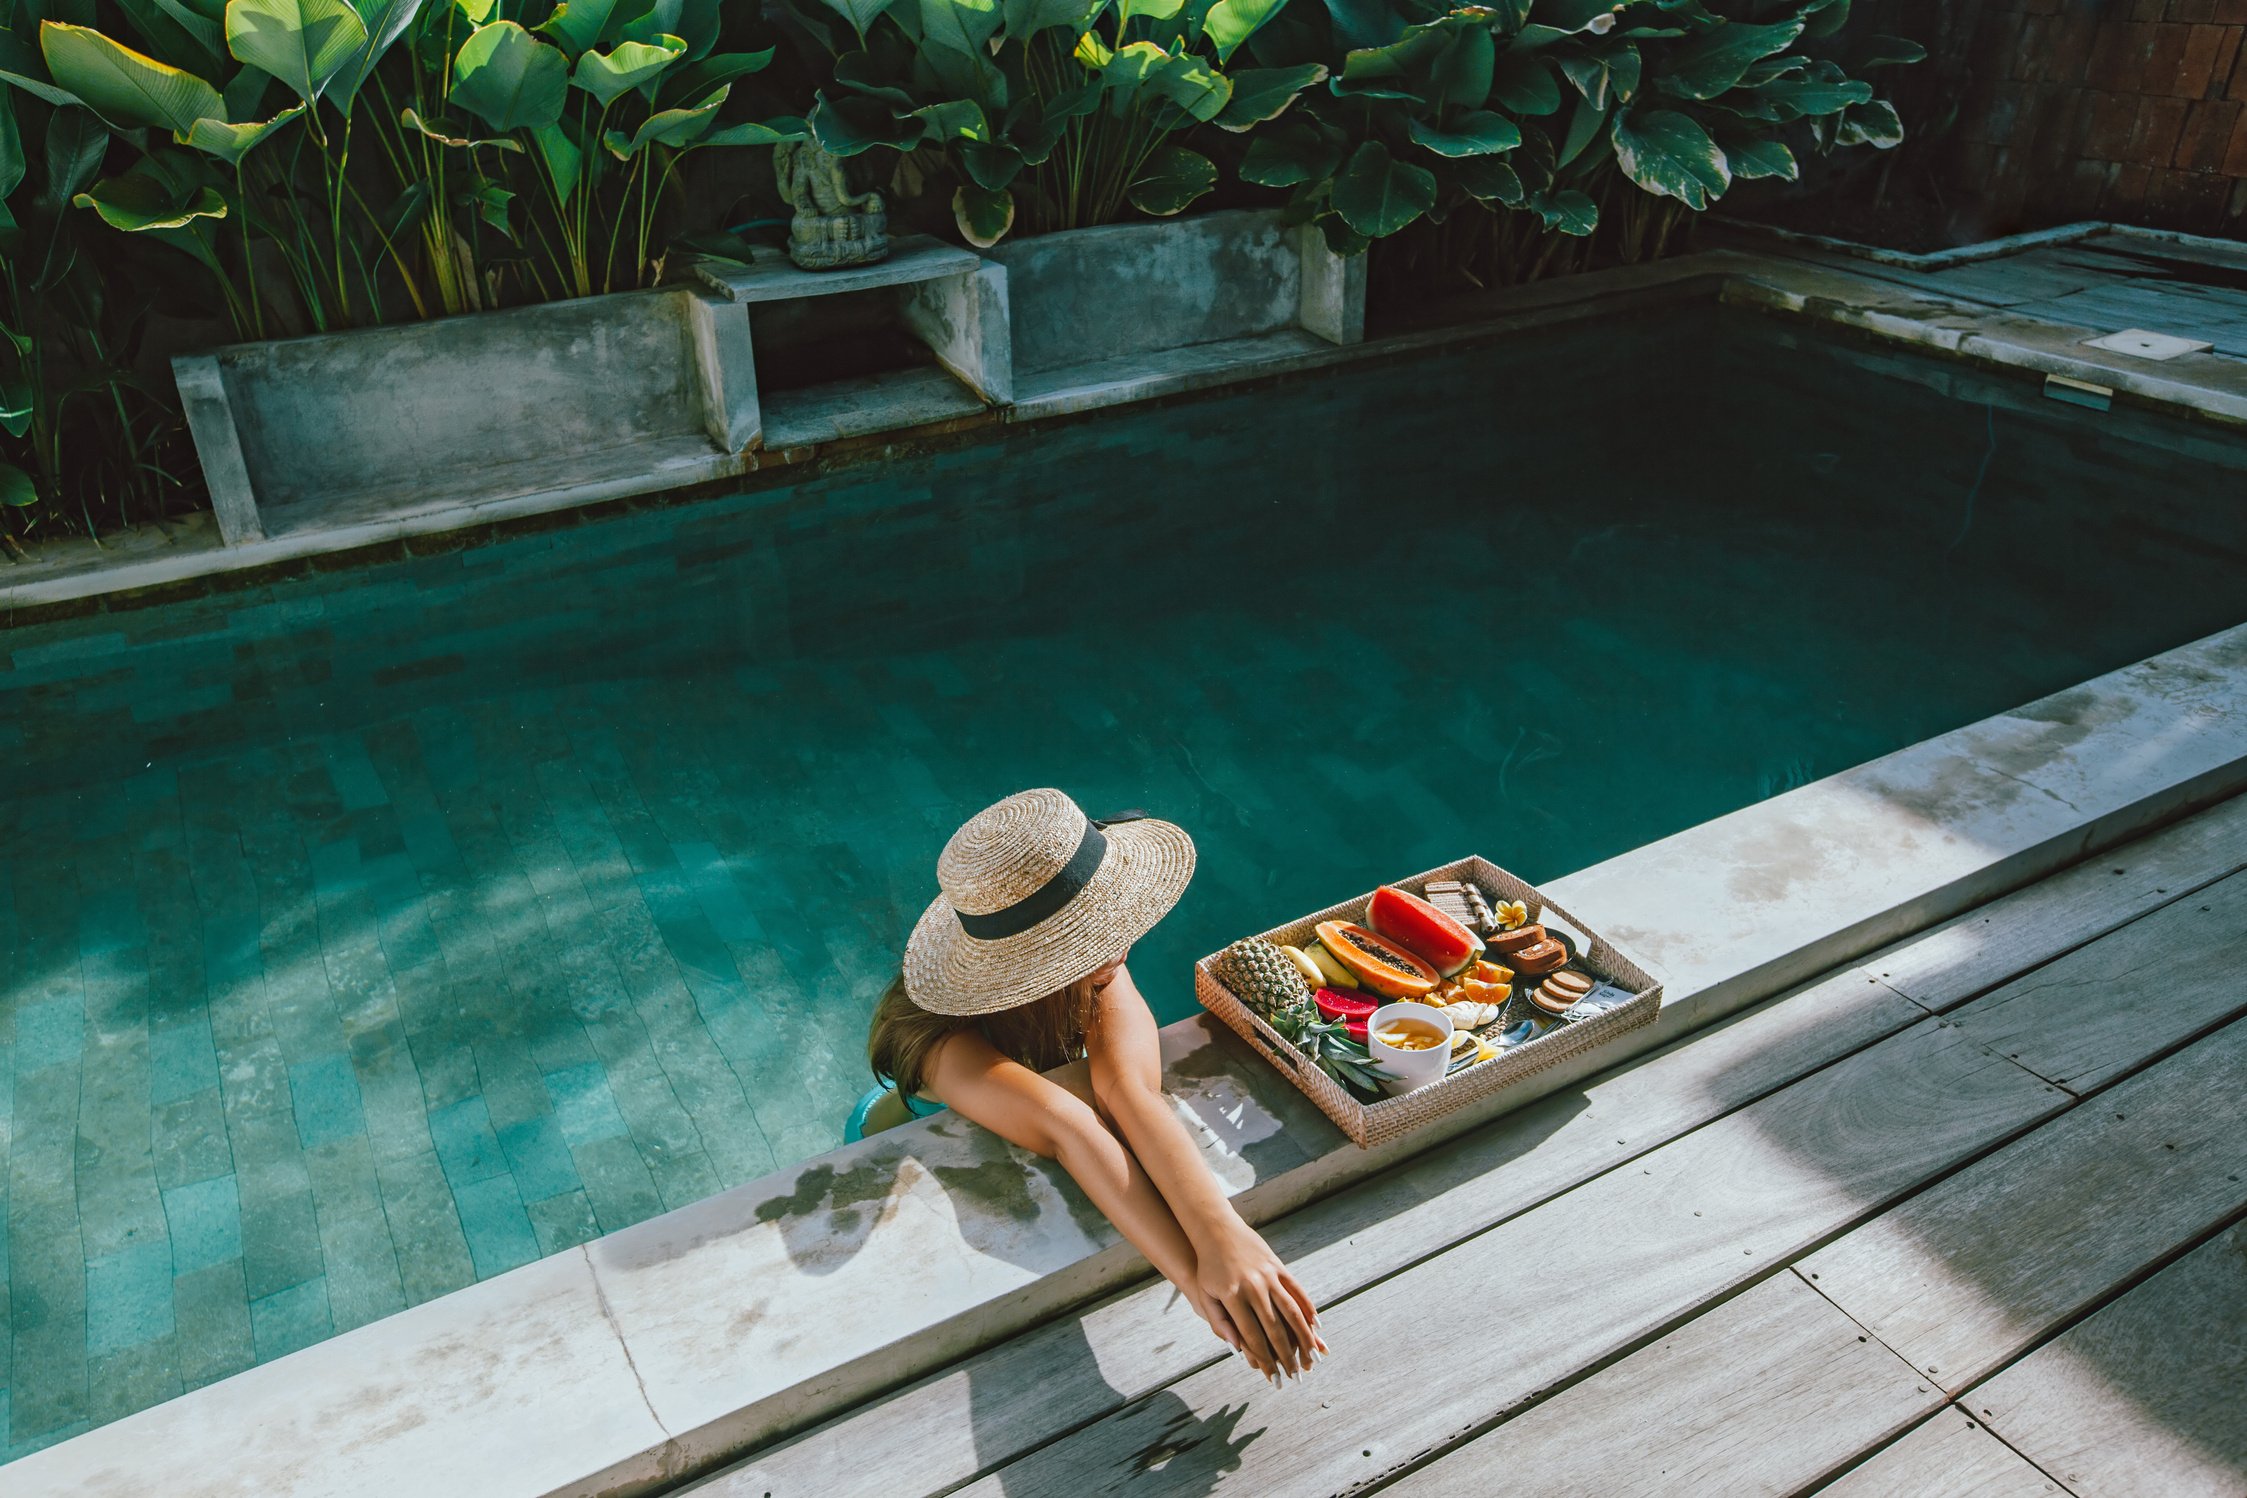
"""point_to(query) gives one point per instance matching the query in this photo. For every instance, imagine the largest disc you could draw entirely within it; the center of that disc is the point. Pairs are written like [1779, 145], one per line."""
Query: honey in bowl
[1404, 1035]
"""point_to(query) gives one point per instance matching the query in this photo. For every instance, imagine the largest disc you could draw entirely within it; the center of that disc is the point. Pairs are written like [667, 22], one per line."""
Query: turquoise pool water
[370, 933]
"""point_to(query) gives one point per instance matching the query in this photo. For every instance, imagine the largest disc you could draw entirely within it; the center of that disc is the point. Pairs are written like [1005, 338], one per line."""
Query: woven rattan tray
[1377, 1123]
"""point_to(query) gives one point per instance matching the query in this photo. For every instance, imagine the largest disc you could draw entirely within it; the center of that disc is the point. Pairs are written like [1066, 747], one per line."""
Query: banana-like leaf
[961, 26]
[1232, 22]
[59, 97]
[669, 127]
[1584, 127]
[76, 143]
[751, 133]
[230, 143]
[1261, 94]
[698, 78]
[1671, 156]
[1890, 52]
[1823, 18]
[991, 165]
[1491, 179]
[845, 125]
[138, 202]
[1523, 84]
[16, 489]
[1478, 132]
[490, 200]
[208, 35]
[477, 11]
[1172, 178]
[1786, 99]
[983, 216]
[304, 43]
[576, 25]
[13, 166]
[953, 119]
[124, 87]
[1874, 123]
[1198, 90]
[445, 133]
[860, 13]
[1289, 155]
[660, 18]
[1604, 79]
[564, 161]
[384, 22]
[509, 79]
[1704, 66]
[1568, 211]
[1377, 195]
[1025, 18]
[1461, 73]
[1752, 158]
[1153, 10]
[624, 67]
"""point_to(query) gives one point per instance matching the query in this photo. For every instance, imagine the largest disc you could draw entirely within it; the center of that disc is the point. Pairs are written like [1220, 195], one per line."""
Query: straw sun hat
[1035, 897]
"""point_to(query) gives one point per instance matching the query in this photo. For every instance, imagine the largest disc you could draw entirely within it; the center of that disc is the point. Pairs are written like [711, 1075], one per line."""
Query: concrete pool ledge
[152, 563]
[672, 1347]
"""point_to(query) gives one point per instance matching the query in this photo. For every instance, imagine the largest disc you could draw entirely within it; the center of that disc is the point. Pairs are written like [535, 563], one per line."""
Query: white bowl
[1409, 1070]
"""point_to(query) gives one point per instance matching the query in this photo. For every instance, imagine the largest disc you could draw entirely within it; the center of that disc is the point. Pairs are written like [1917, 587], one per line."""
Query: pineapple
[1267, 981]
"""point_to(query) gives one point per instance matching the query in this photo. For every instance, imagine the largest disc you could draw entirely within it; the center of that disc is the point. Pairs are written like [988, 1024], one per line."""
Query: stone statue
[833, 226]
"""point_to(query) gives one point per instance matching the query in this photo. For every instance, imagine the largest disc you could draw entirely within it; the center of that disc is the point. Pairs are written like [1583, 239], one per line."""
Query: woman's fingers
[1255, 1342]
[1291, 1357]
[1302, 1299]
[1289, 1300]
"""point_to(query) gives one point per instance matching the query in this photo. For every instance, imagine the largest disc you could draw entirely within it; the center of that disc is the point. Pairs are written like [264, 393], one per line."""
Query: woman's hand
[1273, 1321]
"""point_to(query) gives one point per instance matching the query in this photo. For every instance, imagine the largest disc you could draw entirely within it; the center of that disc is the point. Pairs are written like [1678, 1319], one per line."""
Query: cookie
[1568, 982]
[1553, 1001]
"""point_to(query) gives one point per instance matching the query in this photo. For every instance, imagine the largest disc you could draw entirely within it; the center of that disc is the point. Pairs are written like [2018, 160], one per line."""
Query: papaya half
[1380, 964]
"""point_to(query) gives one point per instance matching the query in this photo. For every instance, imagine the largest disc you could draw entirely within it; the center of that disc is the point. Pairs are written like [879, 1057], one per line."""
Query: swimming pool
[366, 934]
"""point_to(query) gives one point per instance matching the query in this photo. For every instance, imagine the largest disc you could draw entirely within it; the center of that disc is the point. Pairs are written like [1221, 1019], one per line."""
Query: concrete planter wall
[543, 406]
[1129, 292]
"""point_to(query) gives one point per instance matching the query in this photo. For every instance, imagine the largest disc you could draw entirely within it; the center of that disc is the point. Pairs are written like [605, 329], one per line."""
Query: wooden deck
[1970, 1218]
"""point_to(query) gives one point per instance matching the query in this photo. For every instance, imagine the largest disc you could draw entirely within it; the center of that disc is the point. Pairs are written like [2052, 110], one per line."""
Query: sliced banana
[1308, 968]
[1466, 1014]
[1331, 972]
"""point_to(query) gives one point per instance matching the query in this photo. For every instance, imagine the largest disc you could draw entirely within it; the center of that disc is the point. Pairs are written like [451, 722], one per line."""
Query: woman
[1018, 968]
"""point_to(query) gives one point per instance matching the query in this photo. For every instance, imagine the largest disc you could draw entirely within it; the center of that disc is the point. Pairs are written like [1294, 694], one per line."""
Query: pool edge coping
[1991, 338]
[616, 1349]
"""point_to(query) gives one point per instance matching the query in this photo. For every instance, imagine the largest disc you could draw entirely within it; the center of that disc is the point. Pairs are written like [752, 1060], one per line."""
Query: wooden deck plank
[1973, 953]
[1974, 1271]
[964, 1420]
[1950, 1456]
[1766, 1394]
[2143, 1398]
[2215, 314]
[2083, 1020]
[1640, 1248]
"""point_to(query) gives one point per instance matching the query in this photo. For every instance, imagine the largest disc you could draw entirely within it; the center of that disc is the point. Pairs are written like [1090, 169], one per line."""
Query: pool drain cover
[2140, 344]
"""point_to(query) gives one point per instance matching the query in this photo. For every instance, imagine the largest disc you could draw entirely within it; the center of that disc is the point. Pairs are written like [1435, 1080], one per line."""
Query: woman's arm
[1277, 1321]
[968, 1075]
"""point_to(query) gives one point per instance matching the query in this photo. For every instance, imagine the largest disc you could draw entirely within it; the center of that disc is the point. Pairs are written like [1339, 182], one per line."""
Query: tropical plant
[1052, 114]
[81, 434]
[364, 185]
[1550, 120]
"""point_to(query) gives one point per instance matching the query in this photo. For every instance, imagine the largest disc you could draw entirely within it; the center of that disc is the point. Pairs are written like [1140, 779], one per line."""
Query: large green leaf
[1874, 123]
[1752, 158]
[576, 25]
[1232, 22]
[1605, 79]
[1462, 72]
[445, 133]
[61, 98]
[962, 26]
[1026, 18]
[564, 161]
[1475, 132]
[1566, 212]
[304, 43]
[669, 127]
[1524, 85]
[384, 21]
[983, 216]
[845, 125]
[1824, 18]
[1189, 82]
[77, 142]
[860, 13]
[1795, 98]
[16, 489]
[752, 133]
[1704, 66]
[1172, 178]
[1287, 155]
[140, 201]
[13, 165]
[125, 87]
[1488, 178]
[230, 143]
[1376, 194]
[1671, 156]
[1128, 10]
[698, 78]
[1261, 94]
[624, 67]
[509, 79]
[1585, 126]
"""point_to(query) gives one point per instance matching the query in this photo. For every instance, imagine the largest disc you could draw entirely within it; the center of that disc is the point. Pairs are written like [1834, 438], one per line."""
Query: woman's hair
[1042, 1034]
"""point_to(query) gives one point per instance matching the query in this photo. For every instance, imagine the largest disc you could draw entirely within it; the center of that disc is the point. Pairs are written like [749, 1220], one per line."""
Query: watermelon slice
[1334, 1004]
[1417, 926]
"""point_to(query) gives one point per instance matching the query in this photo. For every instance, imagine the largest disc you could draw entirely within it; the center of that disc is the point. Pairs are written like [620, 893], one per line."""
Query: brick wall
[2124, 109]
